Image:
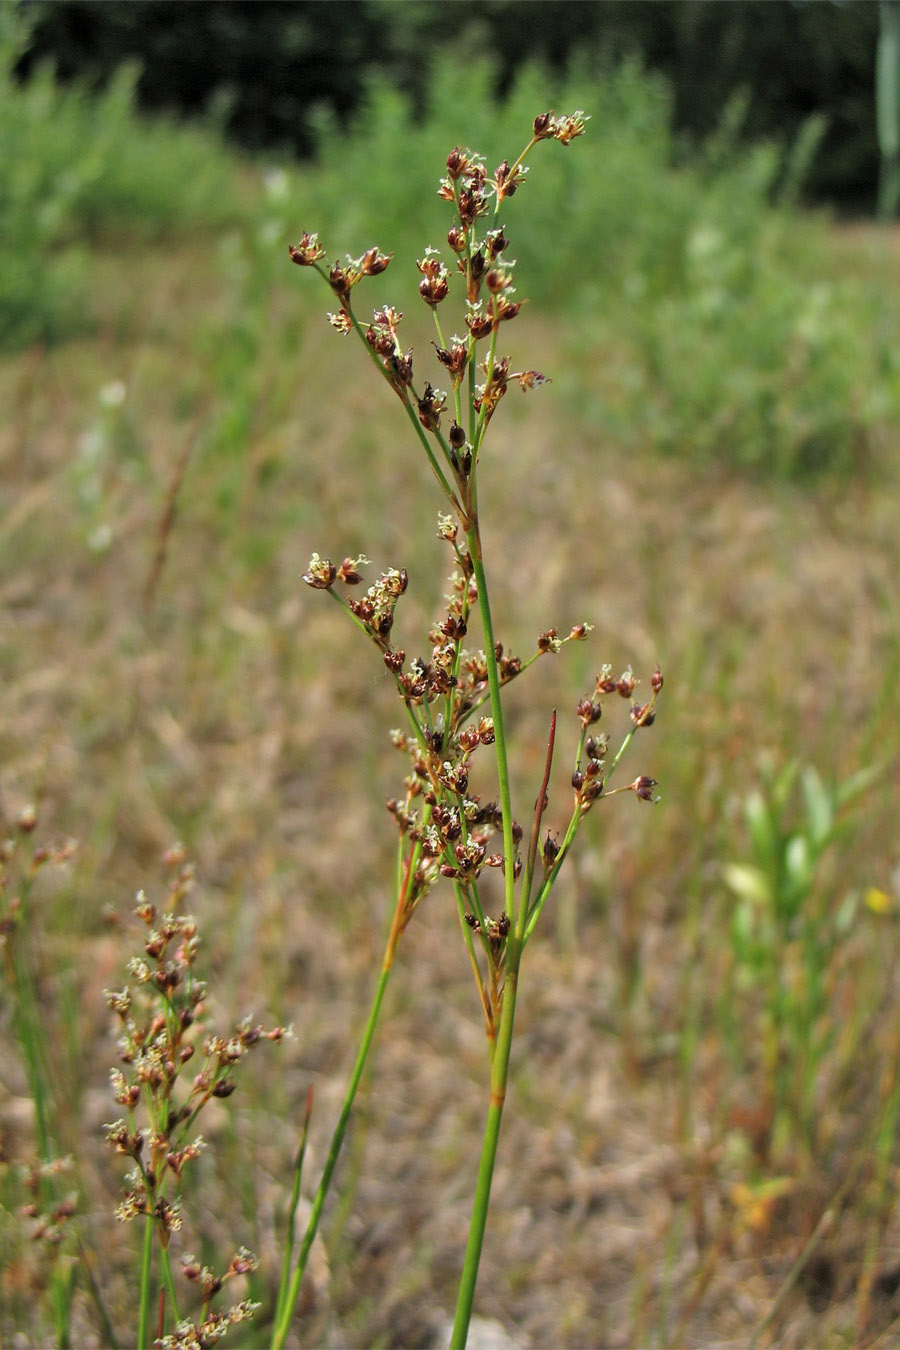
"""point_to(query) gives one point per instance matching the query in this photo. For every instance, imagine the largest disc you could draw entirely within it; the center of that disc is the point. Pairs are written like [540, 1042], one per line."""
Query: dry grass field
[700, 1142]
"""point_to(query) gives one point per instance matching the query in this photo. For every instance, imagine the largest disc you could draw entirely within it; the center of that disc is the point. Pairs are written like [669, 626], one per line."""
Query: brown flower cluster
[479, 244]
[590, 777]
[447, 826]
[563, 129]
[449, 688]
[169, 1068]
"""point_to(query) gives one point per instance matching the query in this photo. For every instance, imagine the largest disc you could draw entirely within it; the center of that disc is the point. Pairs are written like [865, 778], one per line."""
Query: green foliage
[77, 168]
[733, 348]
[273, 63]
[788, 928]
[752, 363]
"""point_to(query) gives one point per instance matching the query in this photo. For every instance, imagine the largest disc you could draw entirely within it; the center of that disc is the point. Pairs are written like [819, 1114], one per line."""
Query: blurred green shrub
[77, 168]
[753, 363]
[709, 314]
[275, 62]
[788, 928]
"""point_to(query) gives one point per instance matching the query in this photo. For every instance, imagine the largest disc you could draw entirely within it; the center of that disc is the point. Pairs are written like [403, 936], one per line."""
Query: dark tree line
[266, 63]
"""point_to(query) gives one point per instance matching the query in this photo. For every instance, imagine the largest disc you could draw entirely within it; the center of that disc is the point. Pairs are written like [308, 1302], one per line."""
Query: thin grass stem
[292, 1211]
[481, 1203]
[283, 1320]
[503, 1044]
[146, 1269]
[283, 1323]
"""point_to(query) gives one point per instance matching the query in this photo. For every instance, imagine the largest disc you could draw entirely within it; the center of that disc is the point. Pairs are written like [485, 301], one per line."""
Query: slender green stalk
[539, 806]
[62, 1283]
[484, 605]
[292, 1214]
[169, 1282]
[283, 1322]
[547, 884]
[30, 1031]
[146, 1267]
[499, 1076]
[575, 820]
[31, 1039]
[503, 1044]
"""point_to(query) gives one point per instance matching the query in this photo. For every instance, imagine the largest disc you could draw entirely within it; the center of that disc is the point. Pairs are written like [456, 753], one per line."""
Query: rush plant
[453, 695]
[162, 1085]
[49, 1181]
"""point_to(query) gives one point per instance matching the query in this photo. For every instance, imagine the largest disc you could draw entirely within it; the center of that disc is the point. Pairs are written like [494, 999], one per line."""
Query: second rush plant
[453, 697]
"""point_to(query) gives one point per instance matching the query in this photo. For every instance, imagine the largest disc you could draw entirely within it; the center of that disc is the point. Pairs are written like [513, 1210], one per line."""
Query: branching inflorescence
[453, 695]
[163, 1085]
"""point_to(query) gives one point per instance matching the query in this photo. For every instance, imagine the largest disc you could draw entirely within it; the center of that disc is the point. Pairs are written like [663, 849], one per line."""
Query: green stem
[503, 1045]
[473, 537]
[546, 886]
[31, 1040]
[482, 424]
[539, 808]
[283, 1323]
[169, 1282]
[499, 1076]
[432, 458]
[144, 1311]
[61, 1286]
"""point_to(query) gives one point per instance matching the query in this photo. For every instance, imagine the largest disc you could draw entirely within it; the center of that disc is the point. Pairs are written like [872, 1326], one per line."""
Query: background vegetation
[703, 1123]
[266, 65]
